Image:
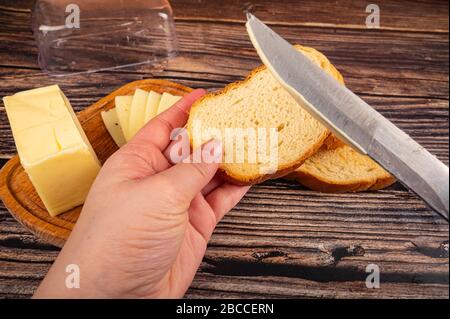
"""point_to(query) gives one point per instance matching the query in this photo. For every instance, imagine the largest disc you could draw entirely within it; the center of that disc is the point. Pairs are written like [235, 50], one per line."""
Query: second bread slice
[337, 168]
[260, 102]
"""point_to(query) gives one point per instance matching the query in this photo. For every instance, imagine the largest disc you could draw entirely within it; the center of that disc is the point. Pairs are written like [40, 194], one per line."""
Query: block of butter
[52, 146]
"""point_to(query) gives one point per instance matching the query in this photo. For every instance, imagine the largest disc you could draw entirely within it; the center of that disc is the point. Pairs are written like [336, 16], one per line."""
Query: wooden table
[282, 240]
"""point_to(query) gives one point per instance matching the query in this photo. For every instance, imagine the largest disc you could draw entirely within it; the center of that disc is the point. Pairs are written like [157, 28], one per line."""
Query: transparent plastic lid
[92, 35]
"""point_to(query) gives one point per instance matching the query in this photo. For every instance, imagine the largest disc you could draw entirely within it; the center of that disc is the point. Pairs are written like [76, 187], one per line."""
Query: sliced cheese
[52, 146]
[137, 112]
[123, 106]
[112, 124]
[152, 105]
[167, 100]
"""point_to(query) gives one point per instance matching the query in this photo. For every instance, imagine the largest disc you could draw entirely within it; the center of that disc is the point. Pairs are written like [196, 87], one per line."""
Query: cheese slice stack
[52, 146]
[134, 111]
[111, 120]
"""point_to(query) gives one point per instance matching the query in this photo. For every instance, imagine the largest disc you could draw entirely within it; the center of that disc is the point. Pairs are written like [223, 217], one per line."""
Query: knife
[351, 119]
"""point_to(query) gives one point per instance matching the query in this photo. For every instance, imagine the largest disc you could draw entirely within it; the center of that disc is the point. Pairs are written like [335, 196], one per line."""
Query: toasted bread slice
[260, 102]
[337, 168]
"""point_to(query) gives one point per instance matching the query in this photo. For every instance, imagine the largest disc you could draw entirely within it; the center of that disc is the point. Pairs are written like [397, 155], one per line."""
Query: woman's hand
[145, 225]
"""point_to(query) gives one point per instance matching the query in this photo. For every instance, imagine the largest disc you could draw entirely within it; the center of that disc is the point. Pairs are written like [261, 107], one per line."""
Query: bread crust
[317, 184]
[283, 170]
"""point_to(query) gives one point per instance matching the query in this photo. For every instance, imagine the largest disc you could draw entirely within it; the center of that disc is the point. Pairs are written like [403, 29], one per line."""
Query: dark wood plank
[419, 81]
[282, 241]
[395, 15]
[213, 286]
[373, 62]
[282, 247]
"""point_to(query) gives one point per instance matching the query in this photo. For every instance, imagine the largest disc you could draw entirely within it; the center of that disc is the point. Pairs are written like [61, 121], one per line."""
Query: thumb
[194, 173]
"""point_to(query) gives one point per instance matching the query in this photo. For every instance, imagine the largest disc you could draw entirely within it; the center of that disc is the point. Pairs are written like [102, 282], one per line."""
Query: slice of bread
[260, 102]
[337, 168]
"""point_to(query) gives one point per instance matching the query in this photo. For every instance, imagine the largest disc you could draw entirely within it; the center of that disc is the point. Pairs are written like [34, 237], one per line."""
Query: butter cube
[52, 146]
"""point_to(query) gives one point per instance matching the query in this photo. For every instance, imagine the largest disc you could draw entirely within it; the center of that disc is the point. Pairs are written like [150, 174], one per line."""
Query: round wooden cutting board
[19, 195]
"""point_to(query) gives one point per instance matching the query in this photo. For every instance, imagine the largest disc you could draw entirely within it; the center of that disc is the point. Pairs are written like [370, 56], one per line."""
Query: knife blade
[352, 119]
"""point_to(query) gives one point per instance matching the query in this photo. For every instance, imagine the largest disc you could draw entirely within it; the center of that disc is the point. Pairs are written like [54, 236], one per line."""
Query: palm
[193, 247]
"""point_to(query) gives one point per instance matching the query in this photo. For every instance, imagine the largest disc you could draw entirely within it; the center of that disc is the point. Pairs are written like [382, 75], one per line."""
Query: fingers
[192, 175]
[205, 213]
[158, 130]
[225, 197]
[212, 185]
[202, 217]
[137, 161]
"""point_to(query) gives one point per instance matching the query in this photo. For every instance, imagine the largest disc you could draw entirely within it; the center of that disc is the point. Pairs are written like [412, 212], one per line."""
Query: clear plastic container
[94, 35]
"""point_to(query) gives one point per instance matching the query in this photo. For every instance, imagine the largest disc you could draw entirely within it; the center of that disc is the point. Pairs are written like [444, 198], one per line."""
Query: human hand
[144, 228]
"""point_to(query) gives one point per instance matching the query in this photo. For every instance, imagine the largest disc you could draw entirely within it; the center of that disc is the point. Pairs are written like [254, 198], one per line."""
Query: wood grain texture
[282, 241]
[415, 68]
[395, 15]
[19, 195]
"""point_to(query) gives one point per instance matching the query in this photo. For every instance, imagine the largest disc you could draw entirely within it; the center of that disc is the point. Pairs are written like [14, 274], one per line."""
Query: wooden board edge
[29, 221]
[35, 225]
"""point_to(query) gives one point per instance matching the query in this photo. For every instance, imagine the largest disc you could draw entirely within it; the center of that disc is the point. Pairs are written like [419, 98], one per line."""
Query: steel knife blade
[352, 119]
